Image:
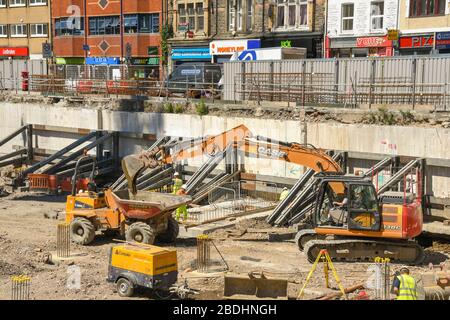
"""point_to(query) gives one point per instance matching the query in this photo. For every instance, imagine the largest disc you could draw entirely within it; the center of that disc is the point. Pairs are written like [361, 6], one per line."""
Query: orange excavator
[349, 219]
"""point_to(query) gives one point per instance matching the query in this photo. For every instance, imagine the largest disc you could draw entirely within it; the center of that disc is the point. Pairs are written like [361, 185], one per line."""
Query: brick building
[107, 32]
[201, 25]
[24, 27]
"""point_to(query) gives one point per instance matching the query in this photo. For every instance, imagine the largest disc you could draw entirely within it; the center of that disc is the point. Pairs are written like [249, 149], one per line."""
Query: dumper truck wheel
[140, 232]
[171, 234]
[125, 287]
[82, 231]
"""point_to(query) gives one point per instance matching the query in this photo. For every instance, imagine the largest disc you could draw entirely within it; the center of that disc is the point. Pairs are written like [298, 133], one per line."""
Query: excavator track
[306, 235]
[366, 250]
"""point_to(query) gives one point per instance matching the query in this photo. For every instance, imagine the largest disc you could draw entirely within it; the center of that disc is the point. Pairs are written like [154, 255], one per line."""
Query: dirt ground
[26, 236]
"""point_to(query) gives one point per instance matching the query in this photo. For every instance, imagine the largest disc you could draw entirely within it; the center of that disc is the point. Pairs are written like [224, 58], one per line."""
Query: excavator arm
[240, 138]
[134, 164]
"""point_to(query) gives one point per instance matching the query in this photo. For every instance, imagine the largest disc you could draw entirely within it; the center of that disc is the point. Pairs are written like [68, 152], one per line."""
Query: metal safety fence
[234, 199]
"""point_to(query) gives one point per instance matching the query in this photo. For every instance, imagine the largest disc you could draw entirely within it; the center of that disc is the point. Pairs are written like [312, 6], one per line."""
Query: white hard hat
[404, 268]
[176, 174]
[285, 188]
[184, 186]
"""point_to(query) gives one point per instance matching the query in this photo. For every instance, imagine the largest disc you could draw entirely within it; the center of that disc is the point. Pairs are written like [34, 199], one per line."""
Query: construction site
[253, 200]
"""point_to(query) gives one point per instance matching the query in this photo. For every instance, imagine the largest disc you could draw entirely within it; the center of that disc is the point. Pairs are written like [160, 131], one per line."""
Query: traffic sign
[47, 50]
[393, 34]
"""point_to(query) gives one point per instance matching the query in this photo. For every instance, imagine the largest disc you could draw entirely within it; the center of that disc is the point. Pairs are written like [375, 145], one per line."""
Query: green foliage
[386, 117]
[179, 108]
[201, 108]
[168, 107]
[382, 116]
[166, 34]
[406, 116]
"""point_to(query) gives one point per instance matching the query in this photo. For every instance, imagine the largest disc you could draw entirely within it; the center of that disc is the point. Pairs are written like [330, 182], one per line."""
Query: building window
[376, 15]
[69, 27]
[231, 15]
[104, 25]
[130, 22]
[423, 8]
[292, 13]
[237, 20]
[17, 3]
[347, 16]
[3, 31]
[39, 30]
[19, 30]
[2, 3]
[38, 2]
[141, 23]
[191, 17]
[181, 14]
[199, 16]
[249, 23]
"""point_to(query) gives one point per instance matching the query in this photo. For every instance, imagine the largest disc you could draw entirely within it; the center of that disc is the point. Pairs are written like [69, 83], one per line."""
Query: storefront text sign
[14, 52]
[373, 42]
[228, 47]
[416, 41]
[442, 40]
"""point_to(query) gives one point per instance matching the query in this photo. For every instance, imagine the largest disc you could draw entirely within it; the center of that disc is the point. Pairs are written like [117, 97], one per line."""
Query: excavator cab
[355, 208]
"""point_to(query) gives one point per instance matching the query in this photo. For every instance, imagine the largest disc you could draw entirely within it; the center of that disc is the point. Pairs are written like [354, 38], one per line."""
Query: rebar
[20, 287]
[382, 285]
[63, 241]
[203, 253]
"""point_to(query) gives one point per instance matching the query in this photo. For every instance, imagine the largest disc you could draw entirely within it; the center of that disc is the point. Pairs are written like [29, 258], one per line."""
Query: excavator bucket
[252, 287]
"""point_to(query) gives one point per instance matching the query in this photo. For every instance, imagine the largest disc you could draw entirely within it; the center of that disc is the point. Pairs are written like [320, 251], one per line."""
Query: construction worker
[182, 209]
[177, 183]
[405, 286]
[284, 193]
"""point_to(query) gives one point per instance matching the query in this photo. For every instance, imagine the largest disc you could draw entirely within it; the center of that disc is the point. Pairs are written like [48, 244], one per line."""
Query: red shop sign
[373, 42]
[416, 41]
[14, 52]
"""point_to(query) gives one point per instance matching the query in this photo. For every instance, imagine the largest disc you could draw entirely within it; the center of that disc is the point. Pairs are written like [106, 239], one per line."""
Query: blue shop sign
[191, 53]
[442, 40]
[102, 60]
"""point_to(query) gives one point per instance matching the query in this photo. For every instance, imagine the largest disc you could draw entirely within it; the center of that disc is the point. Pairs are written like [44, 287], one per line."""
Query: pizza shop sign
[417, 41]
[373, 42]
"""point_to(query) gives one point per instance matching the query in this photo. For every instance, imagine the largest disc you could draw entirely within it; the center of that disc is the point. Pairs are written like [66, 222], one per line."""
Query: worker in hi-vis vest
[284, 193]
[405, 286]
[182, 210]
[177, 183]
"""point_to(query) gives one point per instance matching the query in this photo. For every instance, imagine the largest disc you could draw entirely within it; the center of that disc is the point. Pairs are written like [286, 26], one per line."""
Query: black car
[194, 78]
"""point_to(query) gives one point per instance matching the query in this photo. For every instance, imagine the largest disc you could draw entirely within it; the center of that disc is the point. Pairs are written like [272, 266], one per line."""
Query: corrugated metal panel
[399, 70]
[10, 71]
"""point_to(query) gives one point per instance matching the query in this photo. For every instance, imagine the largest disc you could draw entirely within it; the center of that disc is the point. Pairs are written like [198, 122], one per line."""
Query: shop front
[145, 68]
[69, 61]
[443, 42]
[354, 47]
[189, 54]
[102, 61]
[416, 44]
[312, 42]
[14, 53]
[375, 46]
[222, 50]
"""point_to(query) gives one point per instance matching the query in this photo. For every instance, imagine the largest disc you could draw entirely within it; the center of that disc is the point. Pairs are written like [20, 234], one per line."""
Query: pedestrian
[405, 285]
[284, 193]
[183, 208]
[177, 183]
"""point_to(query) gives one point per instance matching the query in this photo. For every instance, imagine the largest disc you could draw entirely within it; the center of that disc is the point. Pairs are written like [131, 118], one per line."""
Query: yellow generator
[134, 266]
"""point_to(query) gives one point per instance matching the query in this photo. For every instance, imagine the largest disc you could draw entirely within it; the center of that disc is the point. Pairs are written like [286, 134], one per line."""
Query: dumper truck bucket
[252, 287]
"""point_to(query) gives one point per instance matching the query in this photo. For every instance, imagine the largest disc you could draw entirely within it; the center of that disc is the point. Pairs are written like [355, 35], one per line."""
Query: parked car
[194, 79]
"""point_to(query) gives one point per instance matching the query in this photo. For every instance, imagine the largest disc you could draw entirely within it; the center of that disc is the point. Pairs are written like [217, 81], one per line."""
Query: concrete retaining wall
[405, 141]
